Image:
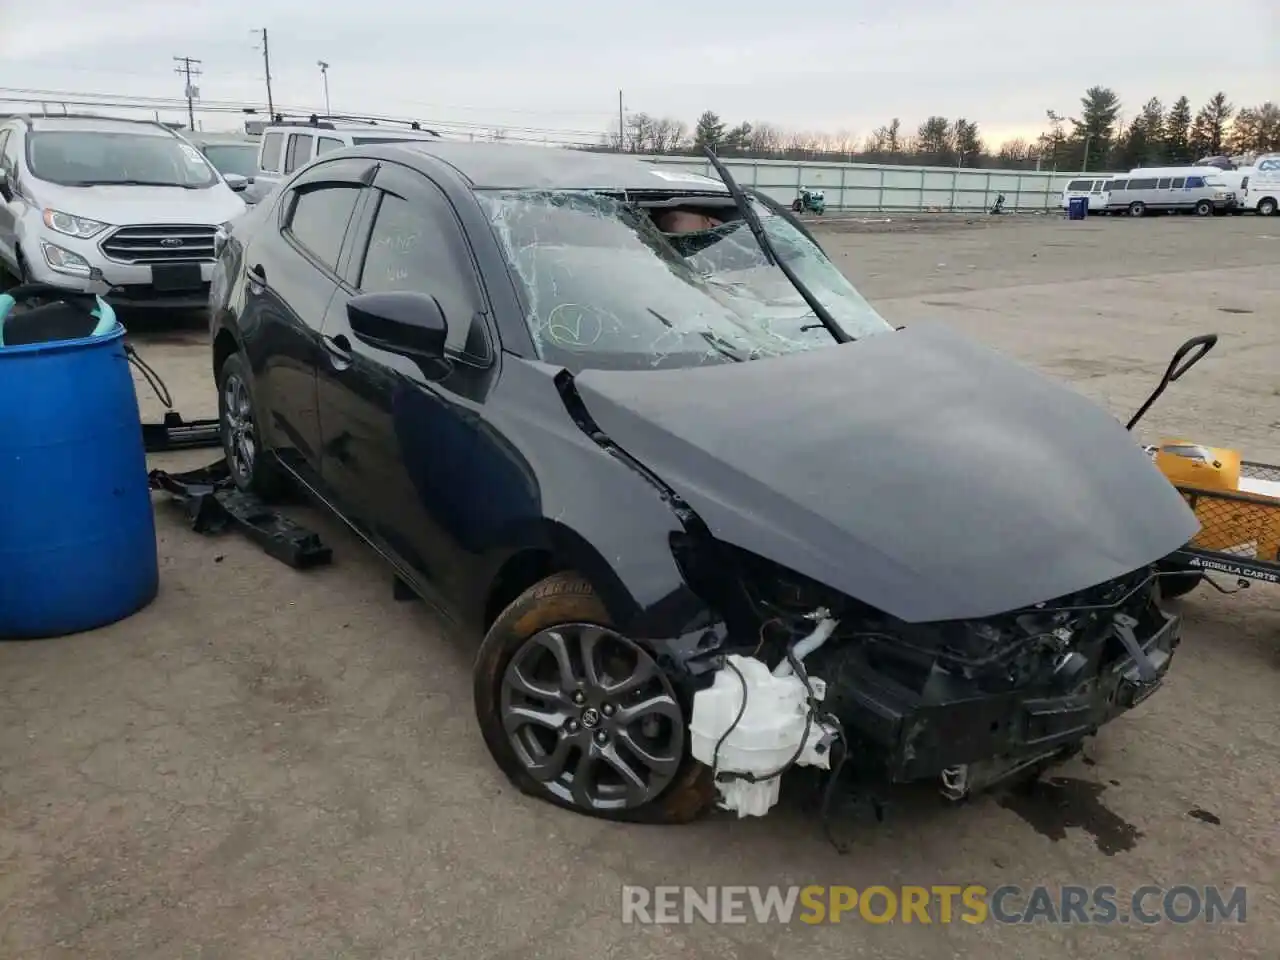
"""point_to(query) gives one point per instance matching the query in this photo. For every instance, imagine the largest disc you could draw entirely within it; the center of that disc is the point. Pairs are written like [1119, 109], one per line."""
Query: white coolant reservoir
[764, 740]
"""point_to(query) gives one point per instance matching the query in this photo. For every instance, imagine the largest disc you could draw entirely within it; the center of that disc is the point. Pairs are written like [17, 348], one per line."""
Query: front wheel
[1266, 207]
[1204, 208]
[1137, 208]
[577, 714]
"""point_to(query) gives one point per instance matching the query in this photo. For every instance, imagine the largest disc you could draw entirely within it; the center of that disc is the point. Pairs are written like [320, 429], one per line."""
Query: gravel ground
[266, 763]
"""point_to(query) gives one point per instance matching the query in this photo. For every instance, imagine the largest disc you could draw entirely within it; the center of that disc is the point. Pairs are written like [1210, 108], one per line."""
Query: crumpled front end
[966, 703]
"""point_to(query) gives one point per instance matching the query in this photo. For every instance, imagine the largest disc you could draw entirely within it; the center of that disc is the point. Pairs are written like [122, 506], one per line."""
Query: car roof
[100, 125]
[356, 129]
[212, 138]
[518, 166]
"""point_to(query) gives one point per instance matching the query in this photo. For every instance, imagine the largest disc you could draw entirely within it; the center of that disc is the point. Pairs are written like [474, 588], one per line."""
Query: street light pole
[324, 72]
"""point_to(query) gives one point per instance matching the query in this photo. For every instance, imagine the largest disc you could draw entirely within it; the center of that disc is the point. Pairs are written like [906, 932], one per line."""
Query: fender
[591, 506]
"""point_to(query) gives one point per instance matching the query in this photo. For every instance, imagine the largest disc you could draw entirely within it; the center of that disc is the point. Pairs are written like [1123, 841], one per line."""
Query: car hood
[121, 206]
[917, 471]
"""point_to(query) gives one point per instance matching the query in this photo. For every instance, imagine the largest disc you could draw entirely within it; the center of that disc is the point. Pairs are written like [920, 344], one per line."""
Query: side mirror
[408, 323]
[236, 182]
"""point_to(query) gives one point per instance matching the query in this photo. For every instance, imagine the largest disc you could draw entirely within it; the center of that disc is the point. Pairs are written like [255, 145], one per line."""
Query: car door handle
[339, 350]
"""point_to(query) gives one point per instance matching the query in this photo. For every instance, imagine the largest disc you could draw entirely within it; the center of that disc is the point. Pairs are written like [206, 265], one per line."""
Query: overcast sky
[830, 65]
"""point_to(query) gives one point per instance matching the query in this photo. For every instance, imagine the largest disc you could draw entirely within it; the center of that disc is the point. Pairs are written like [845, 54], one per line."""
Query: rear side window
[1082, 186]
[1195, 183]
[1179, 183]
[299, 151]
[1144, 184]
[271, 152]
[1119, 185]
[325, 144]
[319, 218]
[1162, 183]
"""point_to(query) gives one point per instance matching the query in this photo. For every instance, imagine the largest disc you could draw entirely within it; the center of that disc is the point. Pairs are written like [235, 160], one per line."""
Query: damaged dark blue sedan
[712, 515]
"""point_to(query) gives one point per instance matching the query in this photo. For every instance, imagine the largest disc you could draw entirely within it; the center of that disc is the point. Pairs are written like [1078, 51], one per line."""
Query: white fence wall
[875, 186]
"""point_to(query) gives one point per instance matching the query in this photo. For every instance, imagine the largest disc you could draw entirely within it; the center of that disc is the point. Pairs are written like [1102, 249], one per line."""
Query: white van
[287, 145]
[1095, 188]
[1262, 193]
[1170, 189]
[1235, 181]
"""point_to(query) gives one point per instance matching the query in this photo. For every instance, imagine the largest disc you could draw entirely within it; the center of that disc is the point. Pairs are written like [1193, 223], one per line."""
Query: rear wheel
[1137, 208]
[251, 466]
[577, 714]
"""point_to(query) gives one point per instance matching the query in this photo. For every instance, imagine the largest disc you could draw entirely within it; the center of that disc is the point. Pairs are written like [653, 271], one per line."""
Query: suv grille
[166, 243]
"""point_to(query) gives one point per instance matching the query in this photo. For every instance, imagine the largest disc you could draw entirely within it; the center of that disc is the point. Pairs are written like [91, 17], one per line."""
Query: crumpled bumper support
[213, 503]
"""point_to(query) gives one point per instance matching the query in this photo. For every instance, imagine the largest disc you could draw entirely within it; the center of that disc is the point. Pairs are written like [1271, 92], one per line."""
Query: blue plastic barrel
[1077, 208]
[77, 532]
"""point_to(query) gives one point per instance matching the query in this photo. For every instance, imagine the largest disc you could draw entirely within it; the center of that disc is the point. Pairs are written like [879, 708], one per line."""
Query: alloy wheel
[238, 436]
[592, 717]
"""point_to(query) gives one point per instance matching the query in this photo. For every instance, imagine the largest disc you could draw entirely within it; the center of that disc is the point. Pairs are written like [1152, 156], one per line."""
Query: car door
[405, 443]
[292, 272]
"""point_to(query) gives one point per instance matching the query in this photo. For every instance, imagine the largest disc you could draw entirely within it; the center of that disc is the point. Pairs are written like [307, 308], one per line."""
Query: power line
[191, 91]
[113, 101]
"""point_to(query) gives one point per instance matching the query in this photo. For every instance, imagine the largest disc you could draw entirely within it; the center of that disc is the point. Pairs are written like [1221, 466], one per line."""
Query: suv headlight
[70, 225]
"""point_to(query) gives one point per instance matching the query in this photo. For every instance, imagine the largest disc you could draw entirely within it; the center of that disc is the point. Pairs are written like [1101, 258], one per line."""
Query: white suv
[287, 146]
[88, 202]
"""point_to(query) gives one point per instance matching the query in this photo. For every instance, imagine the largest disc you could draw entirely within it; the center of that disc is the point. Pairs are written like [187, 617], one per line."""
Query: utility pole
[189, 69]
[621, 131]
[266, 62]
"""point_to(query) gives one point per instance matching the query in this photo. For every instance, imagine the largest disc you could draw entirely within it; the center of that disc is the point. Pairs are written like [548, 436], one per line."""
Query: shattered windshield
[606, 288]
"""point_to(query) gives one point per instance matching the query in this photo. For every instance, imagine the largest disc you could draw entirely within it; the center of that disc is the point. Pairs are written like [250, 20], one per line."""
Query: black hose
[153, 379]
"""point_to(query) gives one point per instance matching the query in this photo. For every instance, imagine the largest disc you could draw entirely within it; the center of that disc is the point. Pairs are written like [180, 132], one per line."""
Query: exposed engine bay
[829, 682]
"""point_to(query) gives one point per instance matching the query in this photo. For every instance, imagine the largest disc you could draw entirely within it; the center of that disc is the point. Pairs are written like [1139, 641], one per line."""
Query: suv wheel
[1203, 208]
[251, 466]
[1137, 208]
[1266, 207]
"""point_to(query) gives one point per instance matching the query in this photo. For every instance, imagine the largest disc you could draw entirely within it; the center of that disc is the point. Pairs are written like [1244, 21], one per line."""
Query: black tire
[1203, 208]
[252, 467]
[795, 206]
[1178, 579]
[1266, 207]
[504, 674]
[1137, 208]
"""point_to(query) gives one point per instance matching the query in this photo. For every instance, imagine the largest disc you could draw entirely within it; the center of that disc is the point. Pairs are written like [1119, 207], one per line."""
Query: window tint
[1080, 185]
[1195, 183]
[271, 152]
[326, 144]
[1179, 183]
[1162, 183]
[1148, 183]
[319, 220]
[299, 151]
[1119, 185]
[419, 246]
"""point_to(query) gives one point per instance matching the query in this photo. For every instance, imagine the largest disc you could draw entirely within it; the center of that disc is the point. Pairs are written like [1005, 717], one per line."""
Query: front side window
[605, 288]
[419, 247]
[1179, 183]
[1079, 186]
[319, 218]
[325, 144]
[83, 158]
[1117, 185]
[1195, 183]
[271, 145]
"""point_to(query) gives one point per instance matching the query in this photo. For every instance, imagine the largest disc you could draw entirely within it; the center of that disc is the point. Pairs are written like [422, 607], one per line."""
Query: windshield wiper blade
[133, 183]
[770, 254]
